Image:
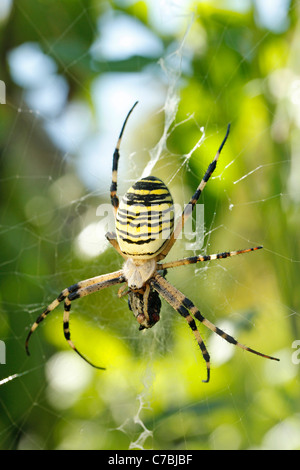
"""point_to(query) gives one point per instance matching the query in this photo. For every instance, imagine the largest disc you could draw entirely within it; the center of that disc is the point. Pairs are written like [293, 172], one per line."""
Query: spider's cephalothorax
[144, 236]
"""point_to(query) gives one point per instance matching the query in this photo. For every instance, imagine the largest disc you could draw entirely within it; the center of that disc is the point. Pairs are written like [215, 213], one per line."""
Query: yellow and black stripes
[190, 206]
[145, 218]
[199, 258]
[80, 289]
[113, 188]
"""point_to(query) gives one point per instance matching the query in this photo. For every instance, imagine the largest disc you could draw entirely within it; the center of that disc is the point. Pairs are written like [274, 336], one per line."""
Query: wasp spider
[144, 235]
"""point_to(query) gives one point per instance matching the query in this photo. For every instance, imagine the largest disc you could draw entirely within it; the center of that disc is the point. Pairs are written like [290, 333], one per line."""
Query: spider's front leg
[113, 188]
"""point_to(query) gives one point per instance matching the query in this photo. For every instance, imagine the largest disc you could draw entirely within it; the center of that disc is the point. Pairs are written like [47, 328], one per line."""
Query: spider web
[151, 395]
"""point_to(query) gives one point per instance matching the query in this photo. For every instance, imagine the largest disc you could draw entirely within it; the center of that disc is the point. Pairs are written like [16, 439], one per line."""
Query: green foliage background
[151, 395]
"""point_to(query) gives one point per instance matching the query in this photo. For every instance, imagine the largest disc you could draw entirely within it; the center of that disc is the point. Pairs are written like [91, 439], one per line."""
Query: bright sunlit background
[70, 72]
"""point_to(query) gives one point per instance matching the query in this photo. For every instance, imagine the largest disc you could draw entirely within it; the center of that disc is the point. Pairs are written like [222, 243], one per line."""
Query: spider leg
[67, 333]
[190, 206]
[180, 302]
[112, 238]
[197, 259]
[102, 282]
[87, 290]
[193, 309]
[169, 293]
[123, 291]
[113, 188]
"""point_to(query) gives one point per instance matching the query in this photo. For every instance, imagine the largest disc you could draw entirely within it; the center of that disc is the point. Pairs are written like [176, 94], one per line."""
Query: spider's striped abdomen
[145, 218]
